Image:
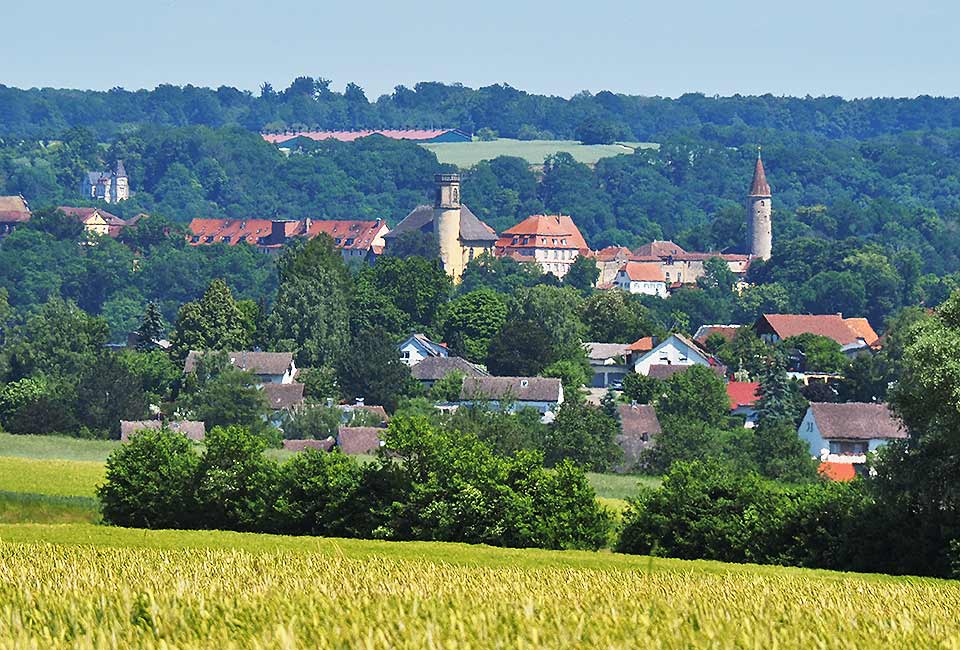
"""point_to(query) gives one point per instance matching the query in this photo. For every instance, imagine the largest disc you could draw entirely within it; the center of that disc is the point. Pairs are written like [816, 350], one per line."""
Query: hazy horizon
[860, 49]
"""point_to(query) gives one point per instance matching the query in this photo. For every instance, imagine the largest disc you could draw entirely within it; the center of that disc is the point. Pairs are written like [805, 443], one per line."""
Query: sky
[851, 48]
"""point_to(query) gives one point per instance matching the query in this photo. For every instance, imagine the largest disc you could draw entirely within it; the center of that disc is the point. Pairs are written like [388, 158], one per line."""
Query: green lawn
[50, 476]
[19, 508]
[468, 154]
[62, 447]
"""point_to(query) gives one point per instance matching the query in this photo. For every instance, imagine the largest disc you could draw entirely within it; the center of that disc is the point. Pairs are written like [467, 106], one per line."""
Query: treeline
[311, 103]
[899, 192]
[434, 484]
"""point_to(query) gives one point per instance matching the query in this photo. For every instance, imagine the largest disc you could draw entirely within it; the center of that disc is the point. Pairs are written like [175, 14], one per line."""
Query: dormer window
[524, 383]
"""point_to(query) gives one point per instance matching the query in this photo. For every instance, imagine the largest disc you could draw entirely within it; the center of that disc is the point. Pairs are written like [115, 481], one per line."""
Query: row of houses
[14, 211]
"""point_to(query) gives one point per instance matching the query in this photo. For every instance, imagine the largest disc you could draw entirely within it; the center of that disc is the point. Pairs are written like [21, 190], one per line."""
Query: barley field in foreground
[170, 589]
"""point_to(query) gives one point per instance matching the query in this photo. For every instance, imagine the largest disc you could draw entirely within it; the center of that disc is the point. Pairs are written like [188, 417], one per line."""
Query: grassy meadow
[468, 154]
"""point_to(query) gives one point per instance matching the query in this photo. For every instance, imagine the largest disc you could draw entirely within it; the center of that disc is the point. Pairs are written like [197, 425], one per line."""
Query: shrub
[318, 494]
[236, 484]
[149, 482]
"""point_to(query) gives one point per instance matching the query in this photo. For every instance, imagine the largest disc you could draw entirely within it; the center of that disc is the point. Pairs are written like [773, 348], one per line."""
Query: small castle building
[460, 235]
[109, 187]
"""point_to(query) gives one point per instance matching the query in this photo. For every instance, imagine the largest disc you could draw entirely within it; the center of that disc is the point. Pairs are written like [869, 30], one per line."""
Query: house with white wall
[642, 277]
[418, 347]
[545, 394]
[674, 350]
[269, 367]
[847, 433]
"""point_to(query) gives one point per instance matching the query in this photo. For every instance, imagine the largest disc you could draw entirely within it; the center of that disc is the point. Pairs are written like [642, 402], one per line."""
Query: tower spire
[760, 186]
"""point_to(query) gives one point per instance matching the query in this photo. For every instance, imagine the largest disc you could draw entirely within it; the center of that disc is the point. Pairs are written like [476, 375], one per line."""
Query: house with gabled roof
[854, 335]
[608, 361]
[418, 347]
[545, 394]
[269, 367]
[728, 332]
[552, 242]
[96, 220]
[674, 350]
[743, 400]
[847, 433]
[642, 277]
[639, 427]
[432, 369]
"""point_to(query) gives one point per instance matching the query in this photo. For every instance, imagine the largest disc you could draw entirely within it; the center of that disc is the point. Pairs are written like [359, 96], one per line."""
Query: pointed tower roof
[760, 185]
[120, 171]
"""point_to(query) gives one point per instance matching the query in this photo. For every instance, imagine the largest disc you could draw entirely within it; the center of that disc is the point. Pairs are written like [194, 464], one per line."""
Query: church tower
[759, 224]
[120, 185]
[446, 223]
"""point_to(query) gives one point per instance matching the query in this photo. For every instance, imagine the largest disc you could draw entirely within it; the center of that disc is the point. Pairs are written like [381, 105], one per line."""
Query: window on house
[405, 354]
[195, 239]
[809, 426]
[225, 240]
[848, 447]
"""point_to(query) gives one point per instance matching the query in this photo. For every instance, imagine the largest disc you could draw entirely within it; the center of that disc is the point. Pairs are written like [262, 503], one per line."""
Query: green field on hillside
[468, 154]
[83, 586]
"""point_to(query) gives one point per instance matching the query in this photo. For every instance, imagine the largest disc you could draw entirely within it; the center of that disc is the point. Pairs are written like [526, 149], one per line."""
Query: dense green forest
[309, 102]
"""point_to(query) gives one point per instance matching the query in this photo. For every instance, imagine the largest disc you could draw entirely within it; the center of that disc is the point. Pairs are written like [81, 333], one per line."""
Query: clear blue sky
[853, 48]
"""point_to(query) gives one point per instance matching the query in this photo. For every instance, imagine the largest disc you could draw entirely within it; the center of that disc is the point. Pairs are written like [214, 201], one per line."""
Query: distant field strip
[468, 154]
[49, 476]
[69, 596]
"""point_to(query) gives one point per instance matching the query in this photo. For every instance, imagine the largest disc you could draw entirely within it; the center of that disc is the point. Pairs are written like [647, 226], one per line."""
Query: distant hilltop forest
[509, 112]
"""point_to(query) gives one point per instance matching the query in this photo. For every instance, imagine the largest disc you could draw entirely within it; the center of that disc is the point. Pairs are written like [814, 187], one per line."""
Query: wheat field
[94, 596]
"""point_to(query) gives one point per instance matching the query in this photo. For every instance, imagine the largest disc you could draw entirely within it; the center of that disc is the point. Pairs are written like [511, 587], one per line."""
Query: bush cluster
[434, 484]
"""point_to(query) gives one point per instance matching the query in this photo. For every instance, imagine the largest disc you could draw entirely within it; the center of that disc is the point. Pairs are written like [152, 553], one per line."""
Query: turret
[120, 187]
[446, 223]
[759, 211]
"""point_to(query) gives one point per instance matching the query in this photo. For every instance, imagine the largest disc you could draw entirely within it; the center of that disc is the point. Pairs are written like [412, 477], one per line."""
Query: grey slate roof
[521, 389]
[436, 368]
[604, 351]
[259, 363]
[856, 421]
[189, 428]
[421, 219]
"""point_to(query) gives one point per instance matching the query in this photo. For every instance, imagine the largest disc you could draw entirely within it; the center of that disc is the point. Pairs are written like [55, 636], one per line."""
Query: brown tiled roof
[832, 326]
[300, 445]
[82, 214]
[359, 440]
[612, 253]
[13, 209]
[259, 363]
[760, 186]
[189, 428]
[856, 421]
[283, 396]
[726, 331]
[638, 428]
[521, 389]
[659, 248]
[435, 368]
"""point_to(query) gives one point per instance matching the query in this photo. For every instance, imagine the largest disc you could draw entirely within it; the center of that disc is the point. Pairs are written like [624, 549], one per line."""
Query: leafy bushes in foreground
[435, 484]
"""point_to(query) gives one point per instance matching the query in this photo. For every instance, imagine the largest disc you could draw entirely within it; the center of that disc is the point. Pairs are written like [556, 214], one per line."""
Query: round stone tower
[759, 209]
[446, 223]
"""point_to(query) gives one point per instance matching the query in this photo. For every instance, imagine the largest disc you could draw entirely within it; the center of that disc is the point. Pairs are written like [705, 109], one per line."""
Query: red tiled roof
[644, 344]
[760, 186]
[544, 231]
[350, 136]
[832, 326]
[837, 471]
[743, 393]
[861, 327]
[348, 233]
[612, 253]
[643, 272]
[236, 230]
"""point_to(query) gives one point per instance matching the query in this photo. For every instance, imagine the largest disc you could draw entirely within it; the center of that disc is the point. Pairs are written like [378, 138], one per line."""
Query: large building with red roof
[852, 334]
[356, 239]
[681, 267]
[551, 241]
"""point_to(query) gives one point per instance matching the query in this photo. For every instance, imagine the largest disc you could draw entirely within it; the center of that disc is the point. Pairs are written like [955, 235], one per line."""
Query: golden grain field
[74, 596]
